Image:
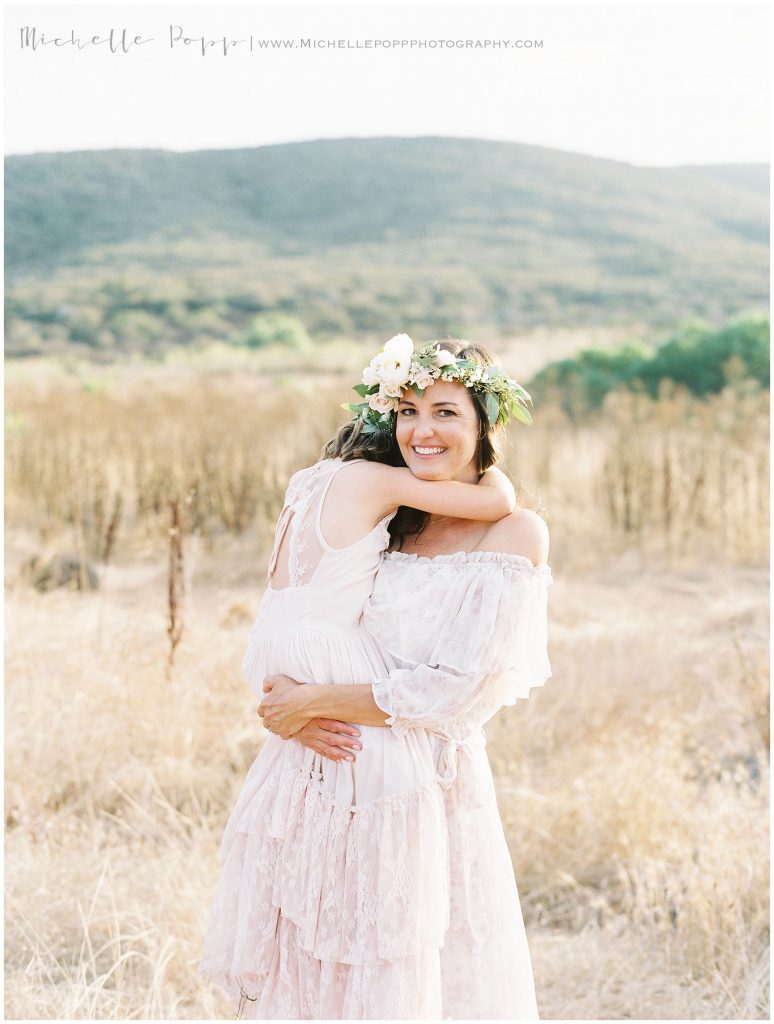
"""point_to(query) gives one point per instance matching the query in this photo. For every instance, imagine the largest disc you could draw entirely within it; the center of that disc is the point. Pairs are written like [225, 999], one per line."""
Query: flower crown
[398, 366]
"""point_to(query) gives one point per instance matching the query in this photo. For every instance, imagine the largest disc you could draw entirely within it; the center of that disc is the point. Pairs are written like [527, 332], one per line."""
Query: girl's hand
[334, 740]
[283, 709]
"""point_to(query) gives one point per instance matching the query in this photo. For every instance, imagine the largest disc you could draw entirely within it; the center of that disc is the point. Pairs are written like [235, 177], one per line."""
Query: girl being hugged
[332, 900]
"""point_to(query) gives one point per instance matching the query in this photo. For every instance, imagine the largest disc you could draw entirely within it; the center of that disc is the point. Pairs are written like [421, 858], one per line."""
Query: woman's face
[438, 433]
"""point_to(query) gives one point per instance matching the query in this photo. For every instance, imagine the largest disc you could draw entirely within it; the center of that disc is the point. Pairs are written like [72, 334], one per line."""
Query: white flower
[423, 380]
[400, 348]
[392, 365]
[393, 390]
[394, 374]
[417, 370]
[382, 403]
[444, 358]
[371, 372]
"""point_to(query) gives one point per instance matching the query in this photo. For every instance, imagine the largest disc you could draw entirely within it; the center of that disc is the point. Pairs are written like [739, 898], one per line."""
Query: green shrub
[699, 359]
[275, 329]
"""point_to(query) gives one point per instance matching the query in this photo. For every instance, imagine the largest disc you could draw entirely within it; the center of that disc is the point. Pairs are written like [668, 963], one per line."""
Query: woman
[459, 607]
[297, 925]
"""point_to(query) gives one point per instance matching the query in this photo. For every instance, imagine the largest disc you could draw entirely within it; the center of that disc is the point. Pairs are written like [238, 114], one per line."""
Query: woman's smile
[427, 452]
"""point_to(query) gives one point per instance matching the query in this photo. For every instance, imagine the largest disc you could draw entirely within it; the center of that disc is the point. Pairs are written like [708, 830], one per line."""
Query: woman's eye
[405, 412]
[450, 412]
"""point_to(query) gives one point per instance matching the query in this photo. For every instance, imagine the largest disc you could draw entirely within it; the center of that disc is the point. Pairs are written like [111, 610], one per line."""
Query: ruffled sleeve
[468, 634]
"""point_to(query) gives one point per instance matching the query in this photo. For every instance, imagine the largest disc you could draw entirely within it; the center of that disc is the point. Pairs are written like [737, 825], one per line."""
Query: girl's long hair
[350, 442]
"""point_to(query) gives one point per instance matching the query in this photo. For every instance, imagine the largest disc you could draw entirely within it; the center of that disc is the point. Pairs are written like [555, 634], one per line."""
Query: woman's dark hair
[350, 442]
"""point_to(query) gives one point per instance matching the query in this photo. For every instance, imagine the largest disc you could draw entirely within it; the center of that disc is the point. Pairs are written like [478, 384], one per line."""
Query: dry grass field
[633, 786]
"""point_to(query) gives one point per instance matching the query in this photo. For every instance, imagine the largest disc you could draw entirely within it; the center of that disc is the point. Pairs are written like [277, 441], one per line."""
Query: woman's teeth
[428, 451]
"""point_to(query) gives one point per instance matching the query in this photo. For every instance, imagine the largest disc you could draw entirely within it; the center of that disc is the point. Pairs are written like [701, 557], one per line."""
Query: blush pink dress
[383, 888]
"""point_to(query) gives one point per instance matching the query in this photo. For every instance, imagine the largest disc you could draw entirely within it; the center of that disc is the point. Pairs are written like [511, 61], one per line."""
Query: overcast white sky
[651, 84]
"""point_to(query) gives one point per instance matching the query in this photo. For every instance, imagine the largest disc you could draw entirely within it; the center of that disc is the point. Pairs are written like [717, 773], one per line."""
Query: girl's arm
[388, 487]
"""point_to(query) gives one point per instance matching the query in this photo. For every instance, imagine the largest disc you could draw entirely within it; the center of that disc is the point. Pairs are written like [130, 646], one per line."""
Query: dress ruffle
[360, 884]
[300, 987]
[471, 639]
[322, 656]
[522, 562]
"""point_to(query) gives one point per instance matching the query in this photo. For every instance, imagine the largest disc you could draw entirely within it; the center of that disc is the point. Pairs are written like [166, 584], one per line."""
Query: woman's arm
[356, 705]
[289, 706]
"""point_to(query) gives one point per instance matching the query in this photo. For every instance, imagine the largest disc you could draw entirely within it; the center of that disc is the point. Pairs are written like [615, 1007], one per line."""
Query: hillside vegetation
[137, 251]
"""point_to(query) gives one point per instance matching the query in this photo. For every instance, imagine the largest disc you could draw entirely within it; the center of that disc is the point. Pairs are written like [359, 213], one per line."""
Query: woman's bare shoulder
[523, 532]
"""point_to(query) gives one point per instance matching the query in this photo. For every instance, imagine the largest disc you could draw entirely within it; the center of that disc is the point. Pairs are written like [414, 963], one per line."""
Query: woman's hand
[284, 708]
[335, 740]
[327, 736]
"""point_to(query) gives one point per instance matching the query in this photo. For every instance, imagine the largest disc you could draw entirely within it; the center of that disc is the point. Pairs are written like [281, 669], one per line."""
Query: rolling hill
[136, 249]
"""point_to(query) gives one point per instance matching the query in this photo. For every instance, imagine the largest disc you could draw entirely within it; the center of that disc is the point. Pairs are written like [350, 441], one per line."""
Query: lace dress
[465, 635]
[332, 900]
[383, 888]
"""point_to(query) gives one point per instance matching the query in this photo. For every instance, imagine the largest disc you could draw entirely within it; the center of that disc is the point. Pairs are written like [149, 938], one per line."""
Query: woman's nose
[423, 428]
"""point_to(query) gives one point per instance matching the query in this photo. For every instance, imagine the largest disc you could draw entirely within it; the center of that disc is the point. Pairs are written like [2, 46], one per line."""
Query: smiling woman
[345, 892]
[463, 407]
[439, 429]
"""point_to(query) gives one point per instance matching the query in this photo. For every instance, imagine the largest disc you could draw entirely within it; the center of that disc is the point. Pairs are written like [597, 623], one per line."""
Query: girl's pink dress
[383, 888]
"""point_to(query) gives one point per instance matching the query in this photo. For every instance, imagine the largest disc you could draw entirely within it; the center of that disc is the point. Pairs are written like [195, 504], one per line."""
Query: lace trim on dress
[506, 558]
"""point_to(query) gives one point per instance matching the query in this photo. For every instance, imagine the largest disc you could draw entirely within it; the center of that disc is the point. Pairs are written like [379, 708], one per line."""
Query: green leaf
[522, 414]
[354, 408]
[492, 409]
[362, 389]
[418, 391]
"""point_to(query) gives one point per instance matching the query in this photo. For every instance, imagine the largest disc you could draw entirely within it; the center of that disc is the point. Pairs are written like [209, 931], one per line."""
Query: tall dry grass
[676, 478]
[633, 787]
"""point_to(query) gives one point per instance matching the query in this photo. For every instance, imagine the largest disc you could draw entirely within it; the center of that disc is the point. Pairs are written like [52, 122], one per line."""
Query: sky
[648, 84]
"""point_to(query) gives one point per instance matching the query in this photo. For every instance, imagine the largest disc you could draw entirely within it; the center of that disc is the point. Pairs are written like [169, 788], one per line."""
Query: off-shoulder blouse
[466, 632]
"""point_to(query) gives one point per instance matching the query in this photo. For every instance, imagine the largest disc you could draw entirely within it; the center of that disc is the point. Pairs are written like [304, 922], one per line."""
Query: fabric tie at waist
[448, 758]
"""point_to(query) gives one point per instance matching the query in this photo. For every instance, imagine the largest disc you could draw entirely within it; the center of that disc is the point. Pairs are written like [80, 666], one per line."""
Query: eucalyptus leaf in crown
[398, 366]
